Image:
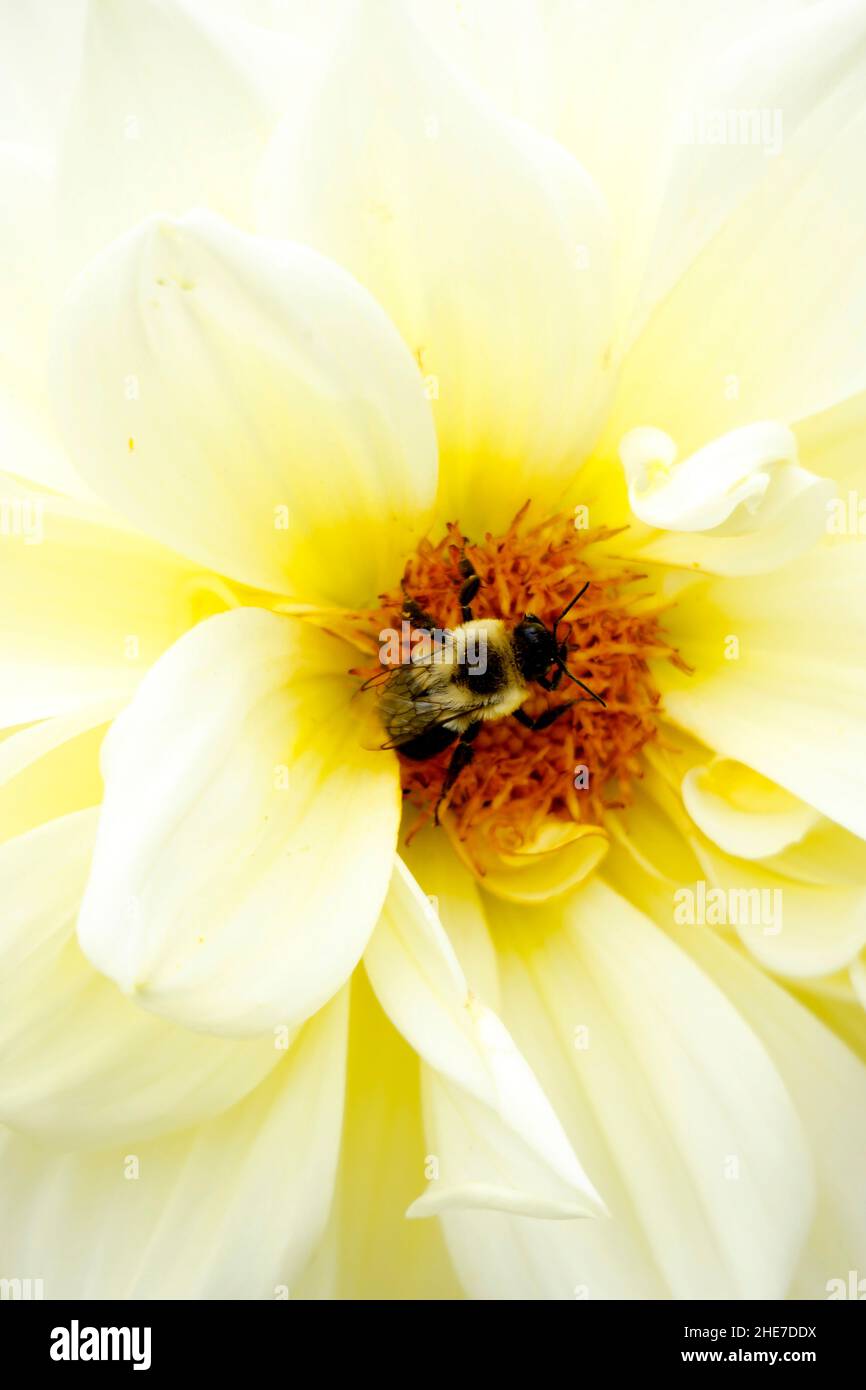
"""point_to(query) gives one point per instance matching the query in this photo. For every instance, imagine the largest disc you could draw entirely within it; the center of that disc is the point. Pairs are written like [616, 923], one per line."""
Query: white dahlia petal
[246, 840]
[455, 895]
[740, 505]
[246, 402]
[831, 443]
[670, 1098]
[431, 197]
[40, 56]
[173, 106]
[88, 604]
[29, 444]
[742, 812]
[349, 304]
[764, 325]
[228, 1209]
[827, 1084]
[497, 1141]
[778, 683]
[369, 1250]
[81, 1064]
[757, 96]
[795, 929]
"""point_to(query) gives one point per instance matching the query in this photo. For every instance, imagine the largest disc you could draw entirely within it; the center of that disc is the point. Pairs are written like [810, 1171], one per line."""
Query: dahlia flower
[302, 308]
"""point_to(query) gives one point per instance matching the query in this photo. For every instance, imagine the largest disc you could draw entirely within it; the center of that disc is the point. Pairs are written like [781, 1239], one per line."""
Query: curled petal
[740, 505]
[560, 855]
[743, 812]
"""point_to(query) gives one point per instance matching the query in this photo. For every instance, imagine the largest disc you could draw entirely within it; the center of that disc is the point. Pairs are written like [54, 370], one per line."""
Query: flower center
[583, 762]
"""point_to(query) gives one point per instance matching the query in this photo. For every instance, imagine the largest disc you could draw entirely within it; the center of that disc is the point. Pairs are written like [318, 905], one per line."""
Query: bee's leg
[469, 588]
[416, 615]
[460, 758]
[556, 680]
[552, 682]
[544, 720]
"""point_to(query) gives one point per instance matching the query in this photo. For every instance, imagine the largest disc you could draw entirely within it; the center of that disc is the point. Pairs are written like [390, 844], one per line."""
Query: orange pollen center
[586, 762]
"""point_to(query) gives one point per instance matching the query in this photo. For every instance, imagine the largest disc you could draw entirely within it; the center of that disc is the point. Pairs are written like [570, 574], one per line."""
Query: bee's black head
[535, 647]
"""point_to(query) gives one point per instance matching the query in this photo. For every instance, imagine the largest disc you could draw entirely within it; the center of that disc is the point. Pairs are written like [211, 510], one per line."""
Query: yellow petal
[88, 604]
[831, 443]
[51, 769]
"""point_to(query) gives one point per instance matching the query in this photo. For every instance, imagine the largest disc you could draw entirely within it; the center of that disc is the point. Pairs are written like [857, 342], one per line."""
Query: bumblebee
[456, 679]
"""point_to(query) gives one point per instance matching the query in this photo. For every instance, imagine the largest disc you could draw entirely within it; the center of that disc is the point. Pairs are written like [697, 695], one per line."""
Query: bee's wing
[425, 727]
[371, 735]
[378, 679]
[403, 711]
[389, 710]
[423, 653]
[423, 717]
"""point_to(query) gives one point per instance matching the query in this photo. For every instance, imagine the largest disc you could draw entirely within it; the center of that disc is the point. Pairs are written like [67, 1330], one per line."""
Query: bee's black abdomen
[428, 744]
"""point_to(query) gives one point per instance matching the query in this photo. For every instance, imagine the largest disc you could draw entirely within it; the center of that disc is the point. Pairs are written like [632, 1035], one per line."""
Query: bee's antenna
[558, 659]
[561, 664]
[567, 609]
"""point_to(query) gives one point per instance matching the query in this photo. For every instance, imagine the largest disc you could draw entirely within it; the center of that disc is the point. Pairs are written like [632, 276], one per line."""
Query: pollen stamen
[520, 777]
